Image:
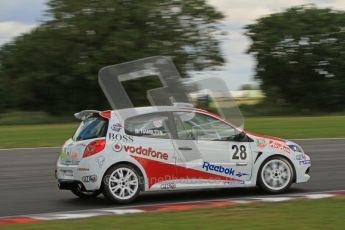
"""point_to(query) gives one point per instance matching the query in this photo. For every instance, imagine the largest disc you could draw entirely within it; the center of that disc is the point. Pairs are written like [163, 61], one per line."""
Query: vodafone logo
[140, 150]
[117, 147]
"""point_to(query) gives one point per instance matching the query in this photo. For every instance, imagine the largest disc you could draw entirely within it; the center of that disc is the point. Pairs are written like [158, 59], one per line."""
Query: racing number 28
[240, 152]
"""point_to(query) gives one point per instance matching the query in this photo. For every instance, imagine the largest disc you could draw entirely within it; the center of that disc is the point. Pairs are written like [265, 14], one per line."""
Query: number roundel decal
[240, 152]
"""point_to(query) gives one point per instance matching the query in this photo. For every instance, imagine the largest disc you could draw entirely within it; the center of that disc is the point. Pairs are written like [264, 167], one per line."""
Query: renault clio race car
[124, 152]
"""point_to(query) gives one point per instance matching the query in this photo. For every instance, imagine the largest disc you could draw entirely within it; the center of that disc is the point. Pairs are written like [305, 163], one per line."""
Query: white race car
[124, 152]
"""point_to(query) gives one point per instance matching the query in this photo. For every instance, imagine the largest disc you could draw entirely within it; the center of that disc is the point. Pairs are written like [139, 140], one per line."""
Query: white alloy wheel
[123, 183]
[276, 175]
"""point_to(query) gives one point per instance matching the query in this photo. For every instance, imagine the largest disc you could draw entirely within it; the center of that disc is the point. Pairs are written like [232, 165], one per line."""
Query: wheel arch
[138, 168]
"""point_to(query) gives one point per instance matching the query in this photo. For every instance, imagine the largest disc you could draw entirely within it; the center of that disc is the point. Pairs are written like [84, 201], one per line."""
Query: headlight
[296, 148]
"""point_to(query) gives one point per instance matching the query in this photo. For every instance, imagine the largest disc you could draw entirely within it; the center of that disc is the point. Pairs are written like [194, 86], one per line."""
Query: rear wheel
[122, 184]
[275, 175]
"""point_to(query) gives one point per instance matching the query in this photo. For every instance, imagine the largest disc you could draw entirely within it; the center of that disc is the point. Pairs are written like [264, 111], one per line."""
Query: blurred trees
[300, 56]
[54, 67]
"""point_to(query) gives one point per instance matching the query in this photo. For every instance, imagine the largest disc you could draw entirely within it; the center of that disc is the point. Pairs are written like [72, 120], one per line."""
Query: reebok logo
[218, 168]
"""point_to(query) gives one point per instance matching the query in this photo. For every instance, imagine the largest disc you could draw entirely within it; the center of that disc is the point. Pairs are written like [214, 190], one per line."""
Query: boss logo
[120, 137]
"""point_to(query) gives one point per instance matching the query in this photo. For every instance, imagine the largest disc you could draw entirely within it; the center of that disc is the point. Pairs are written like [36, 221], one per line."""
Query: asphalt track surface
[28, 186]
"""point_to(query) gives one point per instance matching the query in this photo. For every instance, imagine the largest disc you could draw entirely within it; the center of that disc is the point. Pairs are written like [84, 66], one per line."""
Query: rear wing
[82, 115]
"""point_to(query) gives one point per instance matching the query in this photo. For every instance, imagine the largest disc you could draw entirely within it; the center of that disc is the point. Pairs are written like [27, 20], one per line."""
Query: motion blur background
[282, 60]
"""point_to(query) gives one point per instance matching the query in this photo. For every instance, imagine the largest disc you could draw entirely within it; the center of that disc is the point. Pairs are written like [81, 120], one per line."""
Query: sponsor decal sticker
[158, 122]
[168, 186]
[120, 138]
[91, 178]
[117, 147]
[239, 174]
[218, 168]
[116, 127]
[100, 161]
[153, 132]
[63, 155]
[74, 155]
[234, 182]
[140, 150]
[279, 145]
[300, 157]
[305, 162]
[261, 143]
[83, 169]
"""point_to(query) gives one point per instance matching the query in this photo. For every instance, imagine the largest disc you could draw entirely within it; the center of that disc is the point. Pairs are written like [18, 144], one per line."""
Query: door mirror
[241, 136]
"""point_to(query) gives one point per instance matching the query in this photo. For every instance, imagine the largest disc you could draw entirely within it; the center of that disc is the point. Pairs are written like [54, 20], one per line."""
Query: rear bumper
[70, 176]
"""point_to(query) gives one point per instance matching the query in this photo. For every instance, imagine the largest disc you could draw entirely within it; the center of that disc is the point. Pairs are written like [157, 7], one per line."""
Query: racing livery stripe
[158, 171]
[265, 136]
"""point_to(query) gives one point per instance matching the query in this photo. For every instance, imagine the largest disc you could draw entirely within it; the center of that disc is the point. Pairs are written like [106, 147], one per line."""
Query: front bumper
[303, 169]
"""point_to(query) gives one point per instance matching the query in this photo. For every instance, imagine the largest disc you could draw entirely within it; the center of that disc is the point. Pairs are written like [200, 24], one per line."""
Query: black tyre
[275, 175]
[122, 184]
[85, 195]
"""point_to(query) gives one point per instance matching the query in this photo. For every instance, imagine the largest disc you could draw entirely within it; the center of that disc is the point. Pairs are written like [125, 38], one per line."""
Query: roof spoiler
[183, 105]
[82, 115]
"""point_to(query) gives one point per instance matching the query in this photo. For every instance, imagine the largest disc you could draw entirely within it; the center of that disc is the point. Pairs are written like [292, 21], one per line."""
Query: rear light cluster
[94, 147]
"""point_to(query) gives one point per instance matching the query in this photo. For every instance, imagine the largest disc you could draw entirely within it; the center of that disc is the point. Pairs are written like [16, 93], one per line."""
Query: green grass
[300, 214]
[298, 127]
[35, 135]
[285, 127]
[30, 118]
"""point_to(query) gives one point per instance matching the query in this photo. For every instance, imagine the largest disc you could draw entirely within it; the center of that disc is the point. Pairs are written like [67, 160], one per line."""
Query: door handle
[241, 164]
[185, 148]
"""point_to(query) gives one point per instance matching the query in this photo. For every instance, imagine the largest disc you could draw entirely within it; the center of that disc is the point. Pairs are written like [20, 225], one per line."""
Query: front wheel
[275, 175]
[122, 184]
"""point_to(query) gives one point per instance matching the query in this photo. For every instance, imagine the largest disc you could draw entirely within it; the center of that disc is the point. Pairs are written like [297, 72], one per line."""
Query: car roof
[130, 112]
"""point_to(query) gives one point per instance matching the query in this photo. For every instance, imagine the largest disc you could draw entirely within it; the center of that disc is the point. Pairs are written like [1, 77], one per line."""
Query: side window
[152, 125]
[196, 126]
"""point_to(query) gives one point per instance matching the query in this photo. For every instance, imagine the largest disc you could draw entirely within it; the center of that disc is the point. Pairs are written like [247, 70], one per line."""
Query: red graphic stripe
[265, 136]
[106, 114]
[17, 220]
[157, 172]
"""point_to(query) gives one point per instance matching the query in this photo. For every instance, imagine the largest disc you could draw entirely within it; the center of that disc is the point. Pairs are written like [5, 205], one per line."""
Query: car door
[207, 149]
[152, 147]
